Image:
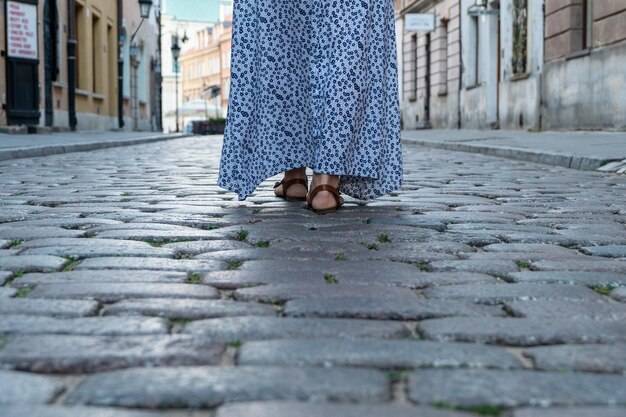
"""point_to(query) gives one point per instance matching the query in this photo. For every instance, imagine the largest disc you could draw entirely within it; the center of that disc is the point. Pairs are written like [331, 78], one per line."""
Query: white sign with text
[419, 22]
[22, 30]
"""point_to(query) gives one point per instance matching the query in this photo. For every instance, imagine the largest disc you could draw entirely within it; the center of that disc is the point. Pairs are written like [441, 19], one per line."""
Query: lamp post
[144, 12]
[176, 55]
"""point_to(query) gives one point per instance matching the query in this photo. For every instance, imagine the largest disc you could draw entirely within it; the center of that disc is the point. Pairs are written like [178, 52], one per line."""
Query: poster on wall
[22, 30]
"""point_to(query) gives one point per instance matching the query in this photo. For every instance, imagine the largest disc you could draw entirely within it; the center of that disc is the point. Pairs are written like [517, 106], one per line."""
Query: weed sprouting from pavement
[384, 238]
[330, 279]
[233, 265]
[371, 246]
[242, 235]
[604, 289]
[194, 278]
[422, 266]
[71, 264]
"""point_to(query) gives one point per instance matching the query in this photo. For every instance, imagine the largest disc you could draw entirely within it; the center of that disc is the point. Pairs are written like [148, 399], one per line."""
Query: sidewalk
[26, 146]
[578, 150]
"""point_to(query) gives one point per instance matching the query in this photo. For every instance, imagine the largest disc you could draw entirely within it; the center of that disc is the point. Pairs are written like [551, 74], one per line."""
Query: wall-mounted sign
[22, 30]
[419, 22]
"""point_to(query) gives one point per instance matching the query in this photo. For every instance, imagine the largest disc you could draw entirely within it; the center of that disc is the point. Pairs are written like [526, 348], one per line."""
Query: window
[472, 77]
[80, 35]
[410, 69]
[520, 36]
[442, 50]
[96, 55]
[587, 35]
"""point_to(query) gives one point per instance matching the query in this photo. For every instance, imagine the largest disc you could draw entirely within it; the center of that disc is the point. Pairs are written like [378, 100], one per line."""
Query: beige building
[206, 70]
[46, 90]
[181, 20]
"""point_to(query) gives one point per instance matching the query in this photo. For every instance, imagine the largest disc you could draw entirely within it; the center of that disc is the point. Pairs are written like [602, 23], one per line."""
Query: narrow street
[485, 286]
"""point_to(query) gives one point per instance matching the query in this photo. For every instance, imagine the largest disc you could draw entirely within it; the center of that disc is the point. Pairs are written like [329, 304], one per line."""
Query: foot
[297, 191]
[324, 200]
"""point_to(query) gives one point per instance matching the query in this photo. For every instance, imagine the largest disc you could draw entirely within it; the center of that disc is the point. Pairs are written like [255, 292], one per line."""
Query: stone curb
[36, 151]
[580, 162]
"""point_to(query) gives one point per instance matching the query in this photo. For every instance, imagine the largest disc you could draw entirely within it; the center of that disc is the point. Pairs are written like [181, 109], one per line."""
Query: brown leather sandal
[288, 183]
[324, 187]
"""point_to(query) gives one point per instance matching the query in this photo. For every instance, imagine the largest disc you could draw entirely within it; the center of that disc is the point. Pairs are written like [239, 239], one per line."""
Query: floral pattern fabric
[313, 83]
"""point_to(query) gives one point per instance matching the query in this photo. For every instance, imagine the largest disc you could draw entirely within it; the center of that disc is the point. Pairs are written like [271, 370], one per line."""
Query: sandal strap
[324, 187]
[288, 183]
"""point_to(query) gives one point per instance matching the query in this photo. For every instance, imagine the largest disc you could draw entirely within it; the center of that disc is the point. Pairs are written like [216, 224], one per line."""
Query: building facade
[514, 64]
[140, 67]
[70, 80]
[431, 67]
[206, 69]
[584, 81]
[60, 62]
[181, 20]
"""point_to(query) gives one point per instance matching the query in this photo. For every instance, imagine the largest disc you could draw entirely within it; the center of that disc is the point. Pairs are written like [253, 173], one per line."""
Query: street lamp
[176, 55]
[144, 8]
[144, 11]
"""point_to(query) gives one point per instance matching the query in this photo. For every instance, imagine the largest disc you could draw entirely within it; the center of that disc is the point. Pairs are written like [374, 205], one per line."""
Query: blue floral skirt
[313, 83]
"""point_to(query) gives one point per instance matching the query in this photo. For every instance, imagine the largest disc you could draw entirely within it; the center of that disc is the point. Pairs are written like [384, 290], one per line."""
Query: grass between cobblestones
[371, 246]
[384, 238]
[71, 264]
[604, 289]
[18, 274]
[396, 376]
[228, 295]
[522, 264]
[23, 292]
[422, 266]
[194, 277]
[330, 279]
[14, 243]
[158, 243]
[340, 257]
[242, 235]
[179, 321]
[483, 410]
[262, 244]
[234, 265]
[235, 343]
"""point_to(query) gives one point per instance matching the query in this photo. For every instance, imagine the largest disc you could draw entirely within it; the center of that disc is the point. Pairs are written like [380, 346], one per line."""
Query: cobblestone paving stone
[129, 280]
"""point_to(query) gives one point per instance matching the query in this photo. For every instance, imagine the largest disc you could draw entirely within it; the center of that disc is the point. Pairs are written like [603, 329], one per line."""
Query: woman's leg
[296, 190]
[324, 199]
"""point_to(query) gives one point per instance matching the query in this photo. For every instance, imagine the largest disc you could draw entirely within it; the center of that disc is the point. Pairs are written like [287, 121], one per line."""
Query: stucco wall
[586, 92]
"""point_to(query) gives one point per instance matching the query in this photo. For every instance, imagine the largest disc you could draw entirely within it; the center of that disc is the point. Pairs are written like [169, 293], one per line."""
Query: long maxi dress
[313, 83]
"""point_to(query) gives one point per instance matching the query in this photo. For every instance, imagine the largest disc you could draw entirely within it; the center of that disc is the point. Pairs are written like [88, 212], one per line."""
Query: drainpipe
[120, 65]
[71, 65]
[461, 68]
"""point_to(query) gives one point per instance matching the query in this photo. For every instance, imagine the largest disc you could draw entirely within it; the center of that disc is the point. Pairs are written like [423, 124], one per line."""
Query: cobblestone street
[485, 286]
